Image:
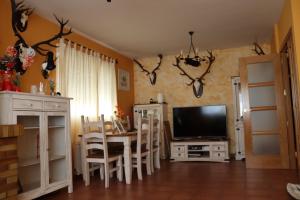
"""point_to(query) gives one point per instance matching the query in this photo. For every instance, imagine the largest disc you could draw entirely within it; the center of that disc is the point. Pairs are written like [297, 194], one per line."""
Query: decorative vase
[16, 88]
[160, 98]
[7, 81]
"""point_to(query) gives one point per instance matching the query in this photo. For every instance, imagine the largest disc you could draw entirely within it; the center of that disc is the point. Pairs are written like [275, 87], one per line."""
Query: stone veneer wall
[217, 89]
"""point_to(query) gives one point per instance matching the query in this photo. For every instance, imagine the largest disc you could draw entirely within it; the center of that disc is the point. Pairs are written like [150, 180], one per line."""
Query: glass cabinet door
[56, 147]
[29, 151]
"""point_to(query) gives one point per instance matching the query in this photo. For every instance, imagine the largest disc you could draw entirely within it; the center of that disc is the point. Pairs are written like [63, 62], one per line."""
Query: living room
[129, 36]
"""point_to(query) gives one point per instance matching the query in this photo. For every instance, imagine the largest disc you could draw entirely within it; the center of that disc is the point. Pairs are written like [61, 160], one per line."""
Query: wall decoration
[152, 75]
[197, 82]
[123, 80]
[20, 16]
[258, 49]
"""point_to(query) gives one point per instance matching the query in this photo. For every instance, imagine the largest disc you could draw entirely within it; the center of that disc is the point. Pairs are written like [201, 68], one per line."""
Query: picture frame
[123, 80]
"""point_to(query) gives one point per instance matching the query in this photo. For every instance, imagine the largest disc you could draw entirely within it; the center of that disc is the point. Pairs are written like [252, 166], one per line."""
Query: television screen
[200, 122]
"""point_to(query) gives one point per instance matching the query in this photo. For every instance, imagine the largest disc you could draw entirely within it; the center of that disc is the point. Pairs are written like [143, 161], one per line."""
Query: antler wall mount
[258, 49]
[152, 75]
[198, 82]
[20, 16]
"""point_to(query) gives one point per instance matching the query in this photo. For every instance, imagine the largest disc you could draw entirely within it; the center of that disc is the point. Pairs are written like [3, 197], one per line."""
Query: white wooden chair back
[155, 132]
[109, 126]
[94, 140]
[121, 127]
[88, 126]
[143, 133]
[128, 127]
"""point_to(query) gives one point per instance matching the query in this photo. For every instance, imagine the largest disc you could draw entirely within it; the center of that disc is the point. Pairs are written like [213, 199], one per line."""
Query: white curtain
[87, 77]
[107, 87]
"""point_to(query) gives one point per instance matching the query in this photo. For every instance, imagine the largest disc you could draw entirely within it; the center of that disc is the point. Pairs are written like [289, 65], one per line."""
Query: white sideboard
[44, 150]
[215, 151]
[154, 109]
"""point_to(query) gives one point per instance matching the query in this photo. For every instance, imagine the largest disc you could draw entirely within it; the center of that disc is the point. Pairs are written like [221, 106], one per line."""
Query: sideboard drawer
[178, 155]
[218, 148]
[27, 104]
[58, 106]
[218, 155]
[178, 148]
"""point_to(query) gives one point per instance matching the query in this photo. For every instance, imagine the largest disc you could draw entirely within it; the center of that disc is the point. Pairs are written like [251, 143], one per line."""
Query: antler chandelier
[194, 61]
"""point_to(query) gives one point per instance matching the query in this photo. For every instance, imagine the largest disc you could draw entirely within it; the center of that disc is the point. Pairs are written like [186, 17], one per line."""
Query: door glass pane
[260, 72]
[144, 113]
[57, 148]
[262, 96]
[266, 144]
[264, 120]
[29, 164]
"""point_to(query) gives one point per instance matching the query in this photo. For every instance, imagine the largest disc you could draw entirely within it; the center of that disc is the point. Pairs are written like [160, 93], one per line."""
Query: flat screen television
[200, 122]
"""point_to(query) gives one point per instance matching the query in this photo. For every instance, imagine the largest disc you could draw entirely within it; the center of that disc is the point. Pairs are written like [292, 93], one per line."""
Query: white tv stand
[200, 150]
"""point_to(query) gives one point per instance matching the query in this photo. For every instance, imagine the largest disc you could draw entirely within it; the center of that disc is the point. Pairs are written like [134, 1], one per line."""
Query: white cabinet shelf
[44, 150]
[215, 151]
[31, 186]
[56, 126]
[36, 161]
[31, 128]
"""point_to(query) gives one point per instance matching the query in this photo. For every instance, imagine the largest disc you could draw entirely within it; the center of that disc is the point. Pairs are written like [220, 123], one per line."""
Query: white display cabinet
[44, 150]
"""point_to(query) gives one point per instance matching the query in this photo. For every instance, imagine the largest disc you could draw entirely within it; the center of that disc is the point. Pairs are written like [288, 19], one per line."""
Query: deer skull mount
[152, 75]
[258, 49]
[198, 82]
[20, 16]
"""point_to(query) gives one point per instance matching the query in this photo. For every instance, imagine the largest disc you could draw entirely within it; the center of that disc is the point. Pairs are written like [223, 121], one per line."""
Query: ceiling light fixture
[194, 61]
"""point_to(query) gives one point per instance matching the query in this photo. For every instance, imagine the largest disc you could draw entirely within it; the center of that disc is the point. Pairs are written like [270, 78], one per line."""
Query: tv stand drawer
[218, 147]
[178, 155]
[179, 148]
[219, 155]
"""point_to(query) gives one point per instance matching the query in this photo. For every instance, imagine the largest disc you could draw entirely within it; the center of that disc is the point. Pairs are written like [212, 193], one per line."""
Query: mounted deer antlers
[198, 81]
[20, 16]
[152, 75]
[59, 35]
[258, 49]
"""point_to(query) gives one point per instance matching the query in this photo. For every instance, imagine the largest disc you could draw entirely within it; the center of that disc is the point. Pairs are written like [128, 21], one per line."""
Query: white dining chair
[141, 151]
[95, 150]
[155, 143]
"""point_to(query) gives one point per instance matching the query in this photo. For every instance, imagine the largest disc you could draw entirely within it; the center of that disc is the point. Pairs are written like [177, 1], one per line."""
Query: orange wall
[282, 28]
[296, 31]
[40, 29]
[289, 22]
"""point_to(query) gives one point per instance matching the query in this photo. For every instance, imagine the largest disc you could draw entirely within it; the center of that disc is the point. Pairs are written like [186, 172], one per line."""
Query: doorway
[290, 84]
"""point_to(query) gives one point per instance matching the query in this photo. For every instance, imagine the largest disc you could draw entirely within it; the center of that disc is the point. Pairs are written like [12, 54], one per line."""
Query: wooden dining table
[125, 138]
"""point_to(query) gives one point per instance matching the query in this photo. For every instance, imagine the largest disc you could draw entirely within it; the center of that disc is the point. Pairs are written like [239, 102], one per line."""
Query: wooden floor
[190, 181]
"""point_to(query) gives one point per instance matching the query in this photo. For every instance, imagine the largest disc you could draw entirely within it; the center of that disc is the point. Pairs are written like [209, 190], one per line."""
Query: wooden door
[291, 82]
[266, 143]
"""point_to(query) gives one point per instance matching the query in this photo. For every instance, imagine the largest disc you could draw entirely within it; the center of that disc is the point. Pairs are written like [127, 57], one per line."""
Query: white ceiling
[140, 28]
